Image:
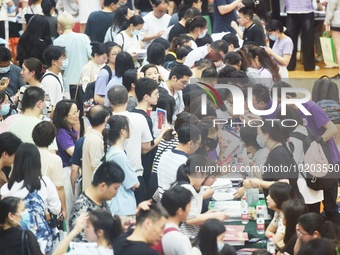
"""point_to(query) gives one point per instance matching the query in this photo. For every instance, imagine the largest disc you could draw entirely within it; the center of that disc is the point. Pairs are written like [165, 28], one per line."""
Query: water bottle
[271, 245]
[259, 220]
[244, 211]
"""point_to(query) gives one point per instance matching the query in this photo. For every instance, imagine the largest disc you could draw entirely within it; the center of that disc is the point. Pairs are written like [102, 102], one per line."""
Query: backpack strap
[303, 138]
[169, 230]
[55, 76]
[123, 40]
[108, 69]
[111, 32]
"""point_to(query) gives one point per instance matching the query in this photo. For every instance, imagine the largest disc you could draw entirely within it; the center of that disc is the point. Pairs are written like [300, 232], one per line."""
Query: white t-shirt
[51, 166]
[139, 133]
[53, 87]
[3, 10]
[128, 43]
[153, 25]
[172, 239]
[178, 96]
[88, 249]
[33, 9]
[48, 193]
[195, 55]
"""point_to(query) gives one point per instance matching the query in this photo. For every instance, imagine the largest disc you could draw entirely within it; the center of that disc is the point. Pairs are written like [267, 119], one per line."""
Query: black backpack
[89, 91]
[325, 88]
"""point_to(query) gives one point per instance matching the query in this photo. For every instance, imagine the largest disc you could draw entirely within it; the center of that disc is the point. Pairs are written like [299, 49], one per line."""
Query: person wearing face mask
[7, 108]
[283, 46]
[197, 28]
[280, 163]
[209, 240]
[129, 38]
[12, 213]
[52, 81]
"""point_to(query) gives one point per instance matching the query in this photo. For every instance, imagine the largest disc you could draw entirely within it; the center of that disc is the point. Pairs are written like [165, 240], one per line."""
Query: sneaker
[317, 68]
[329, 67]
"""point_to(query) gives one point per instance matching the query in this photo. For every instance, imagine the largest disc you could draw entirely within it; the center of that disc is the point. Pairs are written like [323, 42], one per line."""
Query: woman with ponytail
[100, 229]
[197, 28]
[280, 164]
[117, 131]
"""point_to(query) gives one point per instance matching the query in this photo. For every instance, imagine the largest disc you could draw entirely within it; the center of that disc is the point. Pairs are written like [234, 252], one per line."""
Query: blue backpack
[37, 223]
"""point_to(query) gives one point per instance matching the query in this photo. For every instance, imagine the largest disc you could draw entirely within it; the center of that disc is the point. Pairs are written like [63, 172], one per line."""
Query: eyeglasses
[184, 82]
[74, 113]
[299, 232]
[199, 143]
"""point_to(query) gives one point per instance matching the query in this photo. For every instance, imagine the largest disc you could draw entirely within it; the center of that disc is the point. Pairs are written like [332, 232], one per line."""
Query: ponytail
[106, 140]
[183, 173]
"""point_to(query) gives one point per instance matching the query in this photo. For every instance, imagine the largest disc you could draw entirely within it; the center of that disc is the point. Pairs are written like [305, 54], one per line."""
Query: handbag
[328, 49]
[24, 243]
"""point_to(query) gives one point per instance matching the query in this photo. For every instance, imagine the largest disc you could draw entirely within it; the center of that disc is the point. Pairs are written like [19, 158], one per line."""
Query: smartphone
[3, 81]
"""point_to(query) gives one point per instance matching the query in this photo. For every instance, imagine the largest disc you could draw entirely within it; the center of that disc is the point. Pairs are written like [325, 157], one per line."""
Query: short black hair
[129, 77]
[44, 133]
[175, 198]
[9, 143]
[5, 54]
[187, 133]
[183, 51]
[246, 11]
[165, 43]
[248, 136]
[155, 54]
[108, 172]
[220, 45]
[31, 97]
[109, 2]
[53, 53]
[97, 115]
[281, 84]
[261, 93]
[98, 48]
[180, 71]
[209, 73]
[155, 213]
[145, 86]
[117, 95]
[231, 39]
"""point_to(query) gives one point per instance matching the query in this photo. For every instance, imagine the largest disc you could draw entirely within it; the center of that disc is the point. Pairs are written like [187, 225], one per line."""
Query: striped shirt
[163, 146]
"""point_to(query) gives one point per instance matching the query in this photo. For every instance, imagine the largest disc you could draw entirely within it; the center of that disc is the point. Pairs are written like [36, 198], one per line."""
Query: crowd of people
[103, 130]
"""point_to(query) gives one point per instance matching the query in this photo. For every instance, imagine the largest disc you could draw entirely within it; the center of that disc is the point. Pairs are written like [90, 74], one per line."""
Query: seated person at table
[279, 192]
[256, 158]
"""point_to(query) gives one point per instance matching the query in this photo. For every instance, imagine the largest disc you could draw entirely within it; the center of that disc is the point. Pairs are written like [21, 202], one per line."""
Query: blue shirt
[124, 203]
[222, 23]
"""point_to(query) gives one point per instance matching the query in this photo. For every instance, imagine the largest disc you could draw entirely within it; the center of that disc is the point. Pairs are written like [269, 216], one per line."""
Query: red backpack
[158, 246]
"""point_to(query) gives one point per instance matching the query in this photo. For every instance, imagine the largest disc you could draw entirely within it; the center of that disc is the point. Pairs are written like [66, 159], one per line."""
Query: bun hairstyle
[98, 48]
[196, 22]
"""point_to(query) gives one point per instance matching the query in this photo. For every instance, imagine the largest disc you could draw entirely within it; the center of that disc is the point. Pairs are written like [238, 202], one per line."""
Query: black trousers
[330, 206]
[303, 23]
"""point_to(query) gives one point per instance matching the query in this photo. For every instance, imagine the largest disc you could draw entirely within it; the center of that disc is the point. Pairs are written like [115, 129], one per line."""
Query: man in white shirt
[178, 78]
[177, 201]
[52, 81]
[156, 21]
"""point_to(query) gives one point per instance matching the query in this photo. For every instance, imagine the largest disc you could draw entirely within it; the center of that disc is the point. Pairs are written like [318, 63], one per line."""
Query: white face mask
[220, 246]
[202, 35]
[5, 69]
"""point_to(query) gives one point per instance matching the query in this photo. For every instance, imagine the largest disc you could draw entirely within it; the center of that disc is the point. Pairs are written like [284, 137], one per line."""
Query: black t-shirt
[97, 25]
[177, 30]
[253, 34]
[11, 242]
[122, 246]
[281, 165]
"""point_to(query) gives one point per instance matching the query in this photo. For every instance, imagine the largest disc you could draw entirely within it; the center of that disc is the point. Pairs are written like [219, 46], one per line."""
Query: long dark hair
[62, 110]
[26, 167]
[8, 205]
[119, 18]
[206, 238]
[265, 61]
[103, 220]
[111, 133]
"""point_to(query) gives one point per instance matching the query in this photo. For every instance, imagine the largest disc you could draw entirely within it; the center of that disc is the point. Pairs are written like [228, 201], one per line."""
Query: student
[106, 73]
[140, 135]
[178, 78]
[189, 139]
[197, 28]
[116, 132]
[129, 39]
[37, 191]
[149, 229]
[283, 46]
[9, 143]
[105, 184]
[52, 81]
[279, 192]
[43, 135]
[151, 71]
[209, 240]
[11, 241]
[193, 180]
[177, 202]
[100, 228]
[93, 146]
[319, 246]
[129, 82]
